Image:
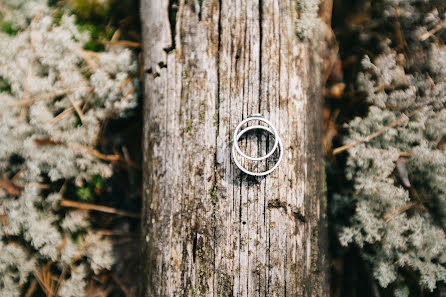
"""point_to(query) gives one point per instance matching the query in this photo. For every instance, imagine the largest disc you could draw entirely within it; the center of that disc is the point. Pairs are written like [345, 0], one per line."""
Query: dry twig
[116, 35]
[94, 152]
[400, 153]
[405, 208]
[396, 122]
[45, 278]
[106, 232]
[37, 185]
[78, 110]
[122, 286]
[431, 32]
[4, 222]
[31, 289]
[89, 150]
[124, 83]
[62, 115]
[7, 185]
[402, 43]
[47, 96]
[125, 43]
[88, 57]
[100, 208]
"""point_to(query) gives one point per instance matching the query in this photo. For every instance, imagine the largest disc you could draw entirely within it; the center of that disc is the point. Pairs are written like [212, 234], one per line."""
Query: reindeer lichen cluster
[397, 162]
[54, 96]
[307, 20]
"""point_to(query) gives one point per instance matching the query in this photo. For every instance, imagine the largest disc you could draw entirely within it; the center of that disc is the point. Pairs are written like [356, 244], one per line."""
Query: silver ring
[255, 117]
[236, 148]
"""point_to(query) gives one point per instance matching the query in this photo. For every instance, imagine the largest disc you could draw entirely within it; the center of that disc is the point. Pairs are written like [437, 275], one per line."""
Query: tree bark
[210, 230]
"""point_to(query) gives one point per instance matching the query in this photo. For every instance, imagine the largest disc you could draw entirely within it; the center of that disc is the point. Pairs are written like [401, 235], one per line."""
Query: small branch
[396, 122]
[3, 10]
[81, 250]
[88, 57]
[124, 83]
[100, 208]
[33, 29]
[47, 96]
[121, 285]
[18, 174]
[64, 269]
[116, 35]
[28, 78]
[89, 150]
[431, 32]
[400, 210]
[4, 222]
[94, 152]
[61, 278]
[62, 115]
[44, 281]
[31, 289]
[398, 32]
[125, 43]
[371, 136]
[400, 153]
[24, 111]
[78, 110]
[106, 232]
[37, 185]
[405, 154]
[7, 185]
[126, 95]
[381, 88]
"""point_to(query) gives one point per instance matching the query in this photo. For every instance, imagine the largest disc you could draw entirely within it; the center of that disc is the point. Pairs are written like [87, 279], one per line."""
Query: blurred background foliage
[404, 43]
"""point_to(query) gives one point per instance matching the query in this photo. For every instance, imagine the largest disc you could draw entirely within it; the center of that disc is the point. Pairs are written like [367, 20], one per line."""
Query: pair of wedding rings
[236, 149]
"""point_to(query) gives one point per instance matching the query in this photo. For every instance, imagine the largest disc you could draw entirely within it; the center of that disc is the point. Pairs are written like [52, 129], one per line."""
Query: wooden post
[210, 230]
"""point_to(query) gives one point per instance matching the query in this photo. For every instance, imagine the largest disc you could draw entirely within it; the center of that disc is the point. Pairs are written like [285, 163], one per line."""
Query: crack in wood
[172, 10]
[218, 232]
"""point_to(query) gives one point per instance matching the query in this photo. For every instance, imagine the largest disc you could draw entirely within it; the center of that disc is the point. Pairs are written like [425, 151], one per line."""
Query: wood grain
[210, 230]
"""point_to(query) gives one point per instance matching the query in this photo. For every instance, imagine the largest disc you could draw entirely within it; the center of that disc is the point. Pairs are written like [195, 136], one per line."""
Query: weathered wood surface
[209, 230]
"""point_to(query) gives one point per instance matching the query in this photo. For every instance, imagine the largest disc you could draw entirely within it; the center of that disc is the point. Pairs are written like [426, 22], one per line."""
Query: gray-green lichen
[51, 111]
[307, 20]
[400, 224]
